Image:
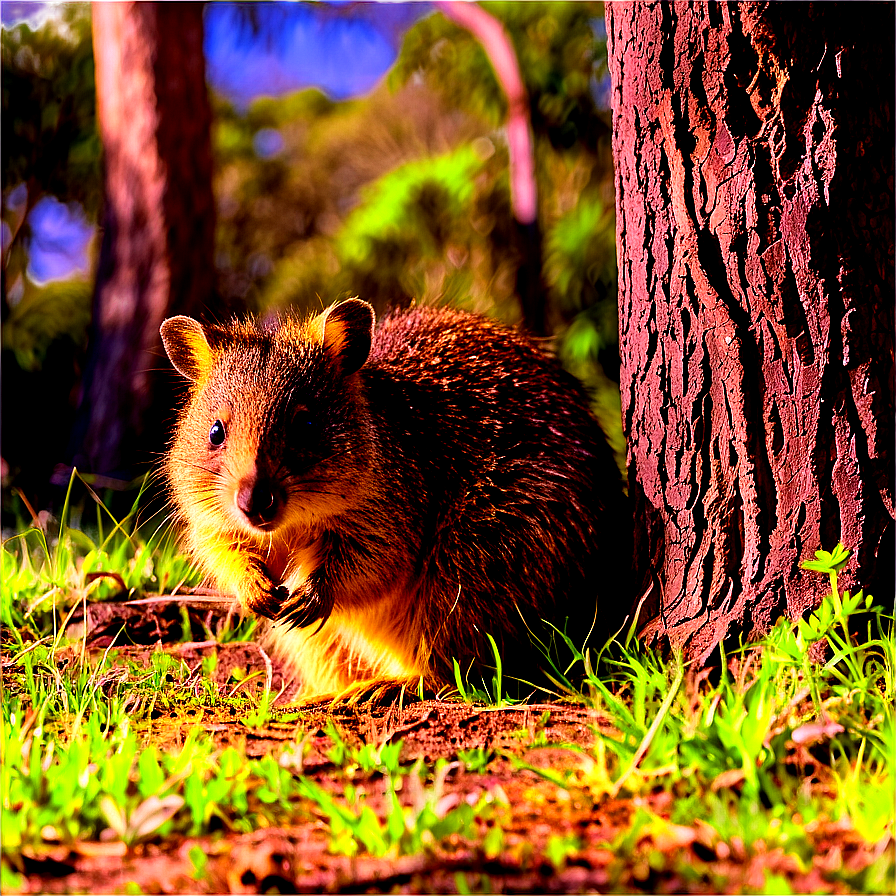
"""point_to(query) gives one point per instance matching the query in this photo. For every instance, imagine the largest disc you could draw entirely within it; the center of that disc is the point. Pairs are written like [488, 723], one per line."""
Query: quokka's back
[391, 499]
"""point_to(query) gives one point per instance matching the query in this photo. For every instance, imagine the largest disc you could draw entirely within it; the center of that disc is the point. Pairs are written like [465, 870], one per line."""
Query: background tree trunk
[495, 41]
[753, 146]
[157, 255]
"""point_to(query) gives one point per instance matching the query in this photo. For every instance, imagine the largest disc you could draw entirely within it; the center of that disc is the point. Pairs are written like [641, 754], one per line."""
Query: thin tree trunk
[753, 146]
[491, 34]
[158, 221]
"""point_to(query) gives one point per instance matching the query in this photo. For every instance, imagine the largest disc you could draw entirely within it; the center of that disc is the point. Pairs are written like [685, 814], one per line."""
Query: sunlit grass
[48, 570]
[758, 754]
[764, 745]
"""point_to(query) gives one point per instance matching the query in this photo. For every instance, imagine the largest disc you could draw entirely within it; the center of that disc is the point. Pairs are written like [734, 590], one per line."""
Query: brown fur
[392, 505]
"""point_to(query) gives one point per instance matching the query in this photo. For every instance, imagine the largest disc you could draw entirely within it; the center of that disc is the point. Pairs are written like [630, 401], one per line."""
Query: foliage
[559, 55]
[409, 217]
[59, 310]
[50, 149]
[367, 757]
[367, 197]
[75, 788]
[48, 104]
[580, 257]
[562, 57]
[76, 767]
[301, 226]
[405, 829]
[50, 142]
[497, 692]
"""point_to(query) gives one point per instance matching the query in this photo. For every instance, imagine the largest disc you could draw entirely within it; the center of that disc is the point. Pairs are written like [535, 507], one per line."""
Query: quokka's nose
[258, 500]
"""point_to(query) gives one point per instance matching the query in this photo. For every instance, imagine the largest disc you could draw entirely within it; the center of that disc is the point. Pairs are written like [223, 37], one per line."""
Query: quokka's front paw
[264, 598]
[304, 607]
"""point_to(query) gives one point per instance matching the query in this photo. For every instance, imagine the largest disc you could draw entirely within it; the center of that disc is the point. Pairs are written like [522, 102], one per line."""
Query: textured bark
[754, 171]
[157, 255]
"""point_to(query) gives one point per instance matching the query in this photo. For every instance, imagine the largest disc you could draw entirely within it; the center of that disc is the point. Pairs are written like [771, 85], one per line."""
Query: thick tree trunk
[754, 171]
[157, 255]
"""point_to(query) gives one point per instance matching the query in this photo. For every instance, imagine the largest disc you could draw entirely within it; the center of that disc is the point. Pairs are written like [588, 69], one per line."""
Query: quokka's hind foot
[371, 692]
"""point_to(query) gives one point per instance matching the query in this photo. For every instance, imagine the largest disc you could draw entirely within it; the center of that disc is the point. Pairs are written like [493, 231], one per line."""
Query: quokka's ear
[187, 347]
[346, 332]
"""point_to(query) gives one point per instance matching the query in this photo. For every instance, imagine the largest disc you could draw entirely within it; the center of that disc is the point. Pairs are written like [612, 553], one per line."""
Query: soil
[613, 855]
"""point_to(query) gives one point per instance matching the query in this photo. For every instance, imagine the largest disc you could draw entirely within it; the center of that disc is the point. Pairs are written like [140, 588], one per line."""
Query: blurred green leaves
[419, 198]
[398, 196]
[559, 53]
[50, 148]
[58, 310]
[48, 124]
[580, 255]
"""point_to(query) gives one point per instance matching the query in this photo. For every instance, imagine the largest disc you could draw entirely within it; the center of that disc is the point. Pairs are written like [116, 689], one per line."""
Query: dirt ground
[654, 857]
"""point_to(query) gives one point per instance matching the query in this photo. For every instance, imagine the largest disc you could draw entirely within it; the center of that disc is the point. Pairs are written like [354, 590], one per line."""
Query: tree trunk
[157, 255]
[495, 41]
[753, 146]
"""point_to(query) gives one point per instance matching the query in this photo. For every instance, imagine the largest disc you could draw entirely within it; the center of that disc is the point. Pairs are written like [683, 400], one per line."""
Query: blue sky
[344, 48]
[60, 240]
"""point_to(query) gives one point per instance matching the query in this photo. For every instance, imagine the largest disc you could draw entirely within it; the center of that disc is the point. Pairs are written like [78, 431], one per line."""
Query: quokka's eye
[217, 434]
[302, 419]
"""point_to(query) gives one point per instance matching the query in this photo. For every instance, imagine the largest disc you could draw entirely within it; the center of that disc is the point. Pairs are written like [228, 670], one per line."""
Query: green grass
[738, 753]
[404, 826]
[771, 744]
[46, 571]
[494, 692]
[76, 737]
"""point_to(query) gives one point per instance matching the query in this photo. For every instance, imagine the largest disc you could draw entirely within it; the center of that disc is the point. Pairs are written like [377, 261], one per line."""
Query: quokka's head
[275, 432]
